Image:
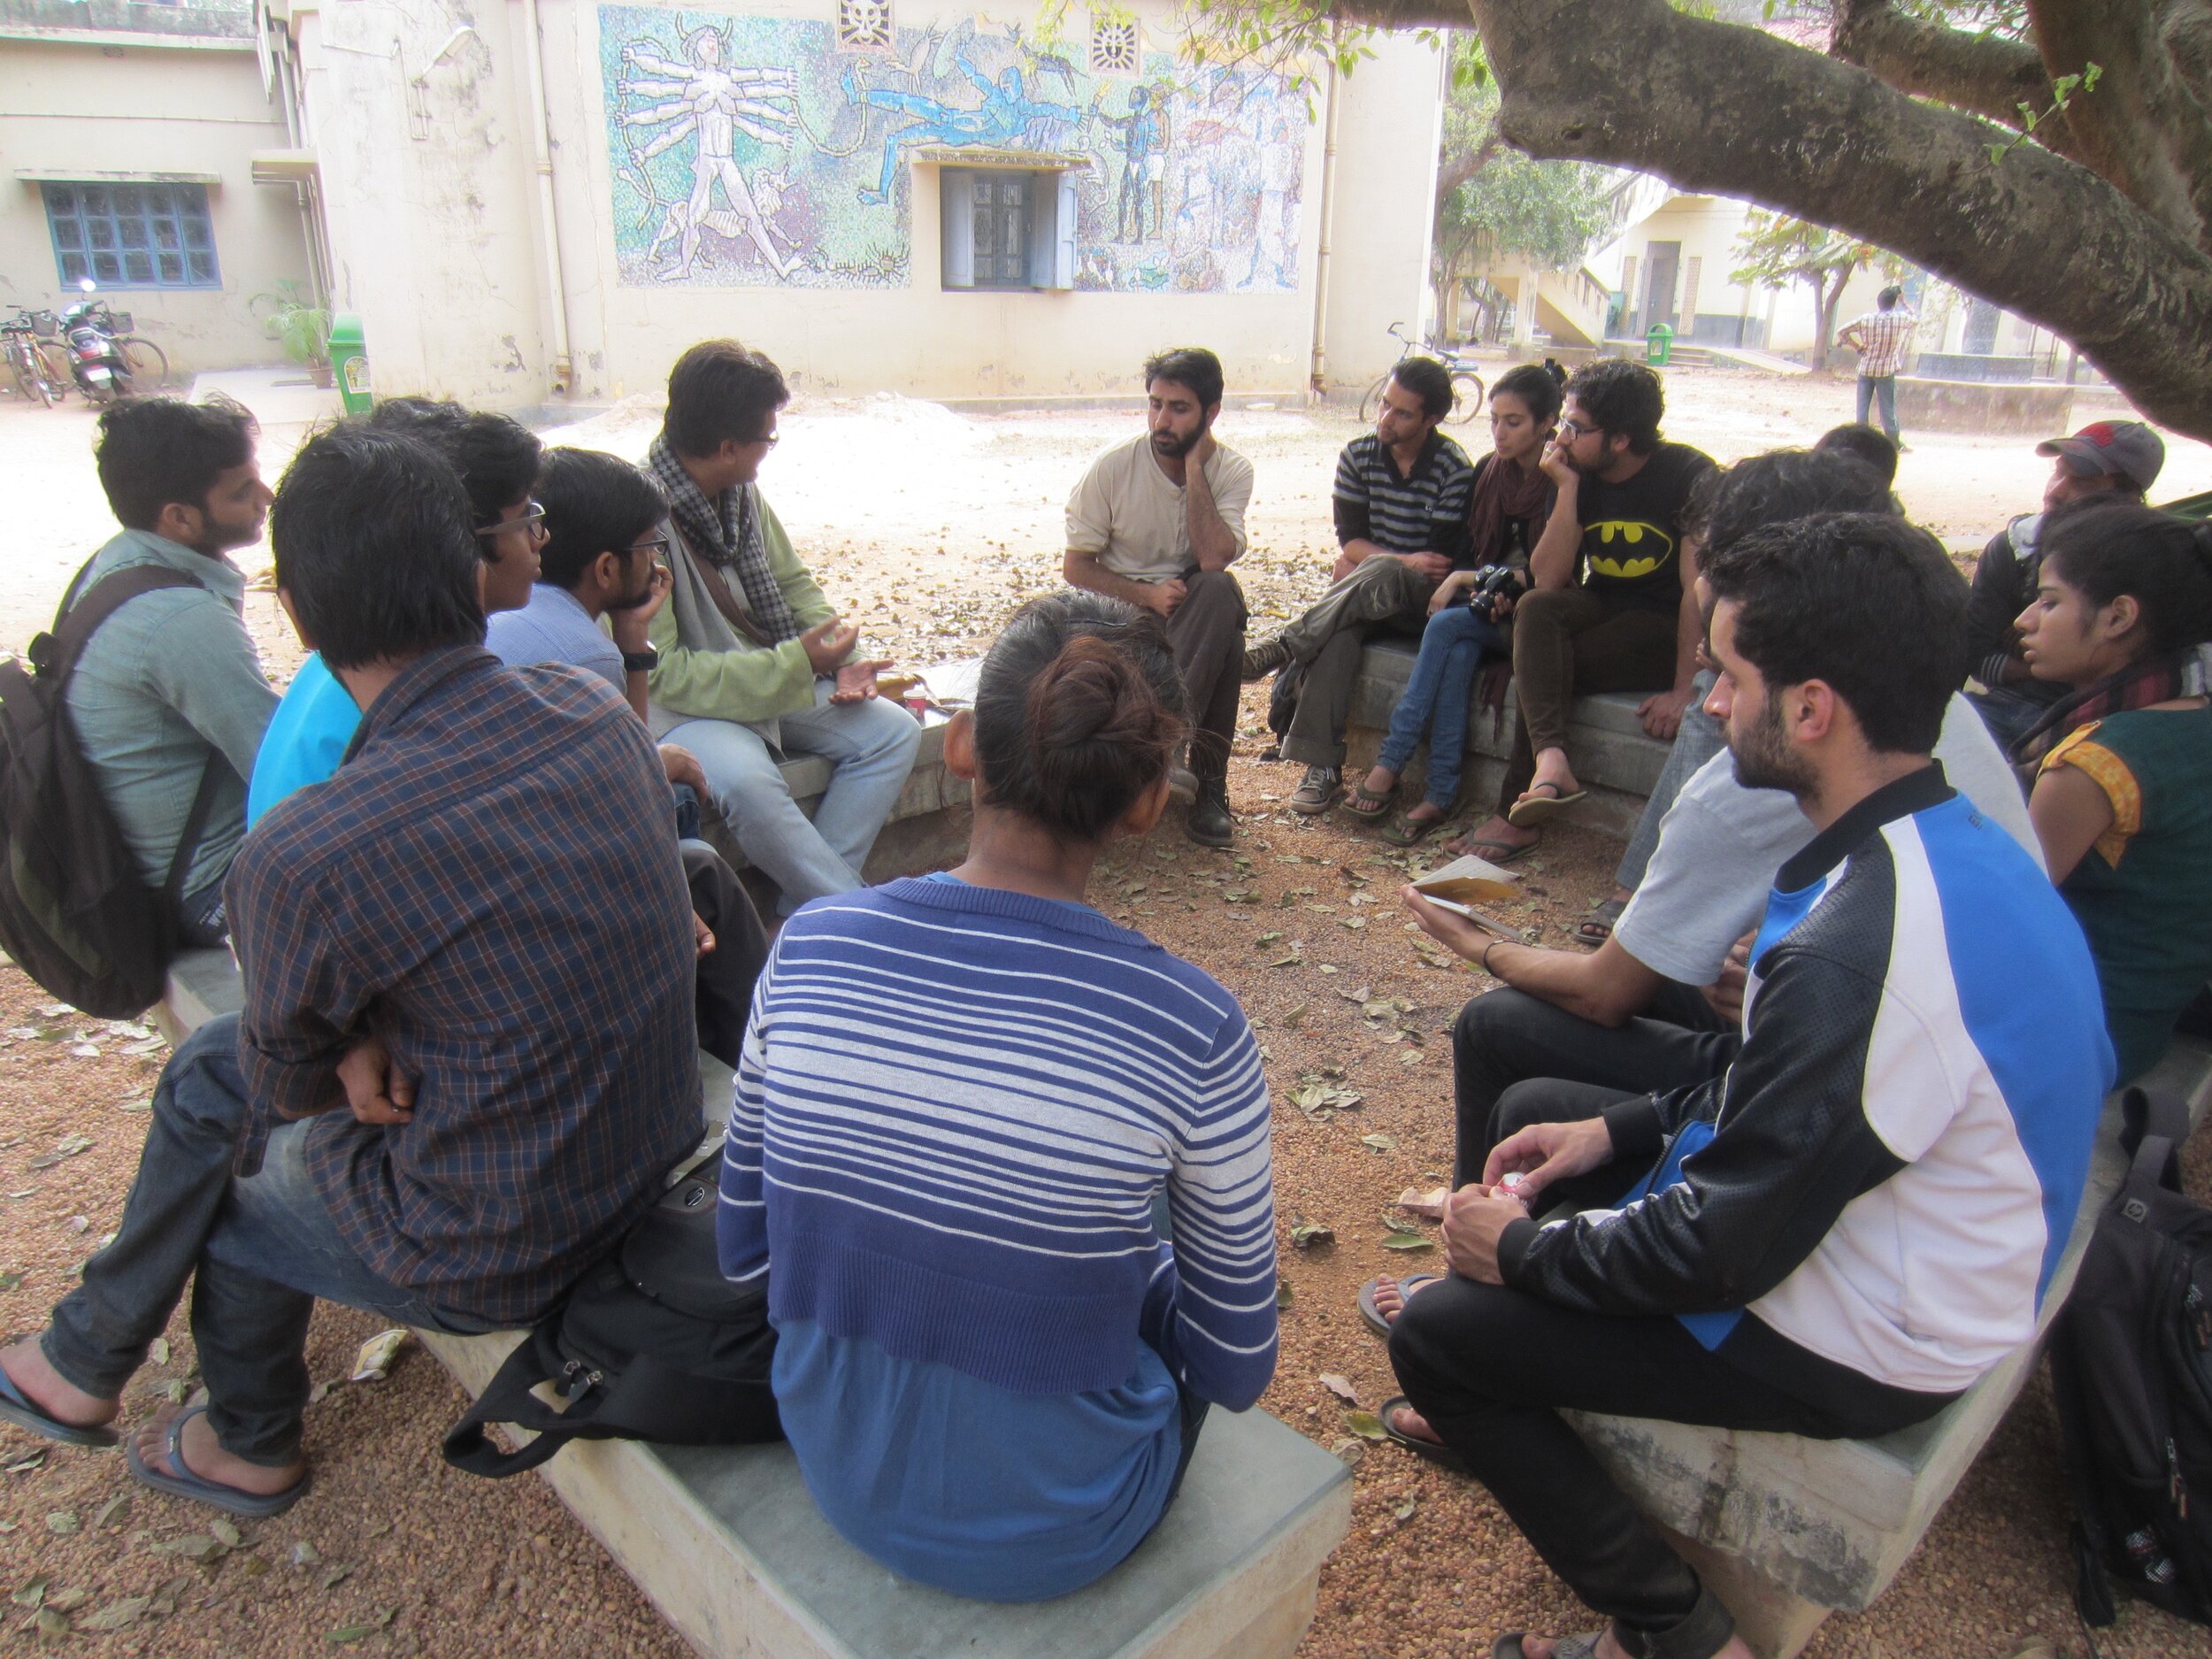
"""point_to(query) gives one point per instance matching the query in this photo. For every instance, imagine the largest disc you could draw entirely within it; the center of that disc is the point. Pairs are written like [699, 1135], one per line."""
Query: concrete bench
[733, 1552]
[1787, 1529]
[927, 828]
[1615, 761]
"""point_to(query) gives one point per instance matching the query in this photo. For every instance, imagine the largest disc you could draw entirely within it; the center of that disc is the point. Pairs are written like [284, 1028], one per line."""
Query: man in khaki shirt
[1157, 520]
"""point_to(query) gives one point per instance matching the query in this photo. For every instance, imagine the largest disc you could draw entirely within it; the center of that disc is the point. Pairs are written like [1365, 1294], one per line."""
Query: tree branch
[1717, 108]
[1986, 75]
[2142, 128]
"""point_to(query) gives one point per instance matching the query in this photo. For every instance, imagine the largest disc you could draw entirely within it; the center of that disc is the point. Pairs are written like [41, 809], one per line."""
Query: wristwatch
[642, 662]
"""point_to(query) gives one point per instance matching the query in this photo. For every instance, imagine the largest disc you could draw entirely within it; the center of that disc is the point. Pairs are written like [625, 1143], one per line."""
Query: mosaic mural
[755, 151]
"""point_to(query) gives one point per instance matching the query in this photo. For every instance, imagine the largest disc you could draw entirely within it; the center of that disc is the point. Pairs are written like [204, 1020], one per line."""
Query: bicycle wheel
[1370, 405]
[149, 363]
[1468, 390]
[59, 375]
[29, 379]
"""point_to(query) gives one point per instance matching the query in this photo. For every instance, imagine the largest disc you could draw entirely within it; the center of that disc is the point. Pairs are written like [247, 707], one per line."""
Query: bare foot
[205, 1456]
[1498, 833]
[1621, 894]
[1380, 780]
[1552, 768]
[1412, 1425]
[35, 1376]
[1390, 1297]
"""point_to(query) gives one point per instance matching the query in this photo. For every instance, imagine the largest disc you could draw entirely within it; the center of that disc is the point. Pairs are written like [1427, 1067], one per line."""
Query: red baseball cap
[2128, 448]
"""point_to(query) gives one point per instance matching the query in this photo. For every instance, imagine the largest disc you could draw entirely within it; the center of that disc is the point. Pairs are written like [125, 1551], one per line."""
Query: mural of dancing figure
[1144, 162]
[705, 100]
[1005, 119]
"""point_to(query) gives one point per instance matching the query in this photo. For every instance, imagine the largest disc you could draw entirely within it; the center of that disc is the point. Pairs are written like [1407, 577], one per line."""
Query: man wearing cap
[2124, 456]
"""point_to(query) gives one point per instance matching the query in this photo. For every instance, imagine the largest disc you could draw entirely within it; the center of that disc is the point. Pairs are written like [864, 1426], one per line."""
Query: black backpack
[653, 1344]
[2132, 1374]
[75, 913]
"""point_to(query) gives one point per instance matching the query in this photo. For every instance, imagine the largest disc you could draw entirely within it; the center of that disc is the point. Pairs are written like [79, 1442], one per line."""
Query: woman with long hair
[2122, 765]
[959, 1100]
[1468, 616]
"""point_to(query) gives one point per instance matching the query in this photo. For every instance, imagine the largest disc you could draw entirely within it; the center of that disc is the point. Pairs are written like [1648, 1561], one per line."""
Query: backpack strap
[2152, 1128]
[508, 1398]
[75, 625]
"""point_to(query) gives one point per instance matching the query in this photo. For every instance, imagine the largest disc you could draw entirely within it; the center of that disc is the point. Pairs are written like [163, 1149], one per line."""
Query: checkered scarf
[725, 532]
[2184, 673]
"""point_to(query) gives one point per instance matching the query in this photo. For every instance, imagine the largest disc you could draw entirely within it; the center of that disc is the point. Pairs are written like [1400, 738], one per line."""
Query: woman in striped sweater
[958, 1100]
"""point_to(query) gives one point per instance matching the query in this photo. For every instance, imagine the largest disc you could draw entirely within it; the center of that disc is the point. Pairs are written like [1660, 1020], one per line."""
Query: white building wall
[436, 238]
[83, 108]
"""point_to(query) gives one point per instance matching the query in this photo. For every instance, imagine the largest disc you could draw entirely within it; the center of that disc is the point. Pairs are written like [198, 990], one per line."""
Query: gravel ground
[392, 1552]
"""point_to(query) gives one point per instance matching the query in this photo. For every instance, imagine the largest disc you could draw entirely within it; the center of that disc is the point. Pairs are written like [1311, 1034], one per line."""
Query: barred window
[132, 235]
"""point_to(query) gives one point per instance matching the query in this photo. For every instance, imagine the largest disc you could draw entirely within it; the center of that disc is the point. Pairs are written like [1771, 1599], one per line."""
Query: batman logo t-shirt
[1631, 532]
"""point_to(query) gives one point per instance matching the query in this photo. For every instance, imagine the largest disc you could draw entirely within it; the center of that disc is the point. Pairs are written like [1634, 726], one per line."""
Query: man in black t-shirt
[1613, 607]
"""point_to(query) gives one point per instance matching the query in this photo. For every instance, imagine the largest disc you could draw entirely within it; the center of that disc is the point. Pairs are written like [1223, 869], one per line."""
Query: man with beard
[1843, 1230]
[1156, 521]
[1401, 498]
[168, 700]
[1614, 607]
[603, 557]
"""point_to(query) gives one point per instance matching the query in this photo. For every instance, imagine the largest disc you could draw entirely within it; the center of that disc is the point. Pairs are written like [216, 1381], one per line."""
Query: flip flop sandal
[1407, 1285]
[1599, 928]
[16, 1408]
[184, 1483]
[1532, 810]
[1442, 1456]
[1493, 852]
[1363, 802]
[1583, 1647]
[1408, 831]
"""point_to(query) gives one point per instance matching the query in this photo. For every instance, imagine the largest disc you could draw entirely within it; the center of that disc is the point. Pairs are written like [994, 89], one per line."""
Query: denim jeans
[258, 1249]
[1696, 741]
[1885, 389]
[1452, 648]
[870, 747]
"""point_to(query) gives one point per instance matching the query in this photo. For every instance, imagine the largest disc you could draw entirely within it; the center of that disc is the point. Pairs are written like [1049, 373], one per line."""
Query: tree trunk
[1831, 302]
[1719, 108]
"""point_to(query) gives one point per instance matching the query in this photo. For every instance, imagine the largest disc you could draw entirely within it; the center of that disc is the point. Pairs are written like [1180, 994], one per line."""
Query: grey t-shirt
[1720, 844]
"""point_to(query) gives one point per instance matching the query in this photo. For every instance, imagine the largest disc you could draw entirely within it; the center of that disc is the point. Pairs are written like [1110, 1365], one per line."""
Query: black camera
[1493, 580]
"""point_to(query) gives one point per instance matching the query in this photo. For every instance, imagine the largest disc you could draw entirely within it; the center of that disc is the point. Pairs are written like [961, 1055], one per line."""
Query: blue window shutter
[1063, 232]
[955, 200]
[1043, 203]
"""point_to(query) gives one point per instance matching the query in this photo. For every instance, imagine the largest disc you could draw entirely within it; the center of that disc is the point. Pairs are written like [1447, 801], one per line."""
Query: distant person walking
[1880, 337]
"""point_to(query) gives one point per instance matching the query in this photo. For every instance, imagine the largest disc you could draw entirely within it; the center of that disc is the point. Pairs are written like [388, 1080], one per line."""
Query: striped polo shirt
[1424, 511]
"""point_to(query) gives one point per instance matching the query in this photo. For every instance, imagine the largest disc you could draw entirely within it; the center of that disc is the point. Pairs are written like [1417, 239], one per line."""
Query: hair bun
[1097, 729]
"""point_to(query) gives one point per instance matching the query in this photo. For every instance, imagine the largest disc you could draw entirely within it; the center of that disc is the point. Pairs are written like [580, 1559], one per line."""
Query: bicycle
[148, 362]
[1467, 387]
[21, 350]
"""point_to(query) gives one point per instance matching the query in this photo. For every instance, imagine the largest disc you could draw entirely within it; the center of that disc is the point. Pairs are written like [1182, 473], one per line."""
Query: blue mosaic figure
[1005, 117]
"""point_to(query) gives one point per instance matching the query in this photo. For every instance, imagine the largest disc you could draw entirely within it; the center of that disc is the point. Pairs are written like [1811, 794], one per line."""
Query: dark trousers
[1506, 1040]
[1491, 1368]
[1381, 593]
[1207, 634]
[257, 1250]
[724, 979]
[1568, 642]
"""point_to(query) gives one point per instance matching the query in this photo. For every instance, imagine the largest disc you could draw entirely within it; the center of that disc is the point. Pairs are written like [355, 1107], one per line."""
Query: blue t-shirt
[974, 1488]
[306, 738]
[554, 627]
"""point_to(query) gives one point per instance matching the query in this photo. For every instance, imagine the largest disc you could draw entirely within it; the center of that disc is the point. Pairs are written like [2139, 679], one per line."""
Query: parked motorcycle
[95, 358]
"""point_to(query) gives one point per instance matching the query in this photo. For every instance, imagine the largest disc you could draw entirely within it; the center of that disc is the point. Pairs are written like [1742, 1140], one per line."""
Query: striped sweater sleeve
[740, 1227]
[1221, 1338]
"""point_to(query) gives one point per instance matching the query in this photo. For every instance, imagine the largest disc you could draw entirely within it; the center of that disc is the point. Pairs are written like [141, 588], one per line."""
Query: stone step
[731, 1549]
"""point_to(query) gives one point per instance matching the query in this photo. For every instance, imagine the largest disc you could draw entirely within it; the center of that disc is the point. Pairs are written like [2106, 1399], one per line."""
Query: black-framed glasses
[658, 546]
[771, 439]
[533, 521]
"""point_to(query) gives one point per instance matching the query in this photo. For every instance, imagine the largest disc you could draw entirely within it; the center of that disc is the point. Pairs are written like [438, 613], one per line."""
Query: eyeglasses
[770, 439]
[533, 521]
[655, 545]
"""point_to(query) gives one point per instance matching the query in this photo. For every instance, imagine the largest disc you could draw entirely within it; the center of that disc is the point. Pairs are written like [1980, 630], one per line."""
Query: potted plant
[301, 327]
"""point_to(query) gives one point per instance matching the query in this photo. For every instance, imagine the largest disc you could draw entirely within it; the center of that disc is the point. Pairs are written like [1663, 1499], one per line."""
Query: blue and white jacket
[1886, 1174]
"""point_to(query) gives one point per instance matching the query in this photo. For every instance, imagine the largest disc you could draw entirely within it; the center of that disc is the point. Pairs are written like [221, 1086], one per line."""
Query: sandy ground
[393, 1554]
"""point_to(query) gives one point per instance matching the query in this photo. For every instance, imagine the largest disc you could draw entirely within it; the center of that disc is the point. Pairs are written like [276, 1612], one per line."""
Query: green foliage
[2063, 91]
[1775, 250]
[1493, 199]
[294, 321]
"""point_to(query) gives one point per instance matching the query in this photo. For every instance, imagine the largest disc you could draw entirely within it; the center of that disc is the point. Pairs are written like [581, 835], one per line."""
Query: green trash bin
[350, 363]
[1658, 343]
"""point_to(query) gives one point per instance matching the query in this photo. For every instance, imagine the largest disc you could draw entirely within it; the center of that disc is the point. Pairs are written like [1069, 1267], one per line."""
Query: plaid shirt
[483, 886]
[1883, 337]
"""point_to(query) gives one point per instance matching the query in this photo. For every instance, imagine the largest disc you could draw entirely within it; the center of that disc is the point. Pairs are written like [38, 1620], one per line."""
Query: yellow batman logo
[1655, 548]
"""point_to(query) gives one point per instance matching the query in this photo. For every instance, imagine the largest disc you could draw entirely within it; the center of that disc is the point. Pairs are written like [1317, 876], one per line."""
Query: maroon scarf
[2137, 686]
[1502, 491]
